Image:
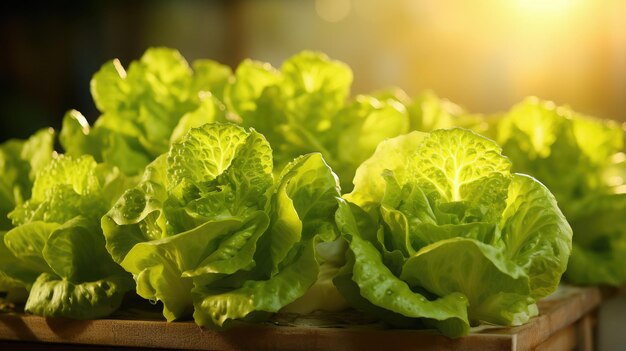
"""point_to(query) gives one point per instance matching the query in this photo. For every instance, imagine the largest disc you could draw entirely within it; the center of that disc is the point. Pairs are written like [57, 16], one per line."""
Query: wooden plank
[563, 340]
[39, 346]
[563, 309]
[556, 313]
[186, 335]
[586, 332]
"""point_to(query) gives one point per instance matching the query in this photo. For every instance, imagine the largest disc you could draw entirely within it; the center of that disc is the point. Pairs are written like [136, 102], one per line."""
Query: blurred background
[484, 54]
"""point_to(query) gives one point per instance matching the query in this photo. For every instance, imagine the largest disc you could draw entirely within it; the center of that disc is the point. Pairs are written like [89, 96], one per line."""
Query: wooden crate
[566, 322]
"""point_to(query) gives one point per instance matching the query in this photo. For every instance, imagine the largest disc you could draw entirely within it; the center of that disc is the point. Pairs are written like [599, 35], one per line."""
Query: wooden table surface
[566, 321]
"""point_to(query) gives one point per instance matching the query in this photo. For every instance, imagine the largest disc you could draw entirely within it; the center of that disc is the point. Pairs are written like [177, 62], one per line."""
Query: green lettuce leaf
[57, 250]
[423, 198]
[373, 280]
[369, 191]
[302, 108]
[578, 159]
[498, 291]
[214, 308]
[158, 265]
[27, 243]
[428, 112]
[358, 128]
[52, 296]
[16, 273]
[20, 160]
[211, 76]
[599, 242]
[250, 80]
[303, 205]
[529, 218]
[157, 99]
[209, 231]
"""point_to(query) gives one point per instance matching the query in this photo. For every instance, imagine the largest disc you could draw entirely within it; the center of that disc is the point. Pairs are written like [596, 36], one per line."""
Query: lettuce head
[303, 107]
[441, 234]
[145, 107]
[56, 249]
[581, 160]
[209, 231]
[20, 160]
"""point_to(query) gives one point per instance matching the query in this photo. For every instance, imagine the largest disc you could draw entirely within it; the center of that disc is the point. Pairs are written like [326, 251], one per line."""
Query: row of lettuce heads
[219, 194]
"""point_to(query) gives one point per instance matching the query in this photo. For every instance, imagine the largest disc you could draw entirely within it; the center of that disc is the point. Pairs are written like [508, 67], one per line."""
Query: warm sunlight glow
[332, 10]
[485, 55]
[546, 6]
